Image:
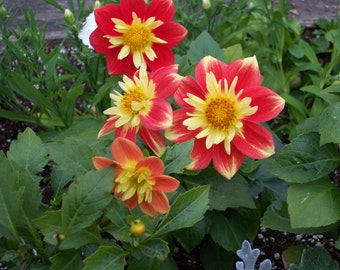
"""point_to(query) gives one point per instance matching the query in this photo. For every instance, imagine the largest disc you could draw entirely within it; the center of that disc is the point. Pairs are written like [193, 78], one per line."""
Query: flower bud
[206, 4]
[3, 13]
[97, 4]
[137, 229]
[68, 16]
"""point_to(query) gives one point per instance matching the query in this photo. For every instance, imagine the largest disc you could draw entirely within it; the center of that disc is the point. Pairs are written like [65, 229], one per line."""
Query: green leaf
[314, 259]
[49, 224]
[153, 248]
[117, 212]
[177, 157]
[233, 53]
[106, 257]
[228, 232]
[187, 209]
[19, 198]
[145, 263]
[330, 124]
[313, 204]
[304, 160]
[76, 240]
[85, 200]
[71, 155]
[23, 87]
[202, 46]
[67, 260]
[214, 257]
[191, 237]
[28, 151]
[222, 193]
[276, 217]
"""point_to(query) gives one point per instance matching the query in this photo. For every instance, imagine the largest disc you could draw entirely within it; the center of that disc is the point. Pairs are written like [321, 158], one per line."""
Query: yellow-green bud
[3, 13]
[206, 4]
[68, 16]
[97, 4]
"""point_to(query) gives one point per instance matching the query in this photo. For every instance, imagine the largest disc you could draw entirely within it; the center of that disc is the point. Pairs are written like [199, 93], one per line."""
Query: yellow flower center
[137, 38]
[135, 101]
[131, 181]
[220, 115]
[131, 99]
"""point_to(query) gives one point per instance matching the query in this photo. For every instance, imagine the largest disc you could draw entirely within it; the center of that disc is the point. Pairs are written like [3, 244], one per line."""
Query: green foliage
[315, 258]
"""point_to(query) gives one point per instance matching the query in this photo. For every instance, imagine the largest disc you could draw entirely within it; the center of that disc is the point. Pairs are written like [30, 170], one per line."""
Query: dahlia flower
[220, 110]
[138, 180]
[142, 108]
[132, 34]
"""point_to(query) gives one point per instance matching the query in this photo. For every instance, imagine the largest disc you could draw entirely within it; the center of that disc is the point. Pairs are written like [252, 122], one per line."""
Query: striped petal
[159, 117]
[269, 104]
[178, 132]
[257, 142]
[108, 127]
[247, 71]
[167, 81]
[187, 86]
[125, 151]
[166, 6]
[227, 165]
[201, 155]
[173, 33]
[153, 139]
[210, 64]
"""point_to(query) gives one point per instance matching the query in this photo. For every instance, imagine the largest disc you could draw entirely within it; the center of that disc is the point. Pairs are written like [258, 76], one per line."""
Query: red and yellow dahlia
[133, 33]
[142, 108]
[220, 111]
[138, 179]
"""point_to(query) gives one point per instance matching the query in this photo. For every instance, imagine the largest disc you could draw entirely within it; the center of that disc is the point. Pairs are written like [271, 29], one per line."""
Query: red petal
[247, 71]
[165, 57]
[153, 139]
[165, 183]
[201, 155]
[178, 132]
[124, 151]
[129, 6]
[159, 117]
[129, 133]
[154, 164]
[102, 162]
[104, 15]
[118, 67]
[257, 143]
[227, 165]
[99, 43]
[269, 104]
[173, 33]
[167, 81]
[210, 64]
[162, 10]
[188, 85]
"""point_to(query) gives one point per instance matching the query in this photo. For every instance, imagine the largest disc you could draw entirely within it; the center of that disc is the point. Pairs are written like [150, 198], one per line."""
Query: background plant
[80, 225]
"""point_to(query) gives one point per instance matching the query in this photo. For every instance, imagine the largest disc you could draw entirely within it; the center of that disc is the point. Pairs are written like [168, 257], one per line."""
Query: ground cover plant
[163, 124]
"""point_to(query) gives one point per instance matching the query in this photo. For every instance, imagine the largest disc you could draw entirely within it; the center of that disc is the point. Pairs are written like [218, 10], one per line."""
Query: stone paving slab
[305, 11]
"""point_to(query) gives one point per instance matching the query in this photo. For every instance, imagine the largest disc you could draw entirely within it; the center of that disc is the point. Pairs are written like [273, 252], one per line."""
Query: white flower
[88, 27]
